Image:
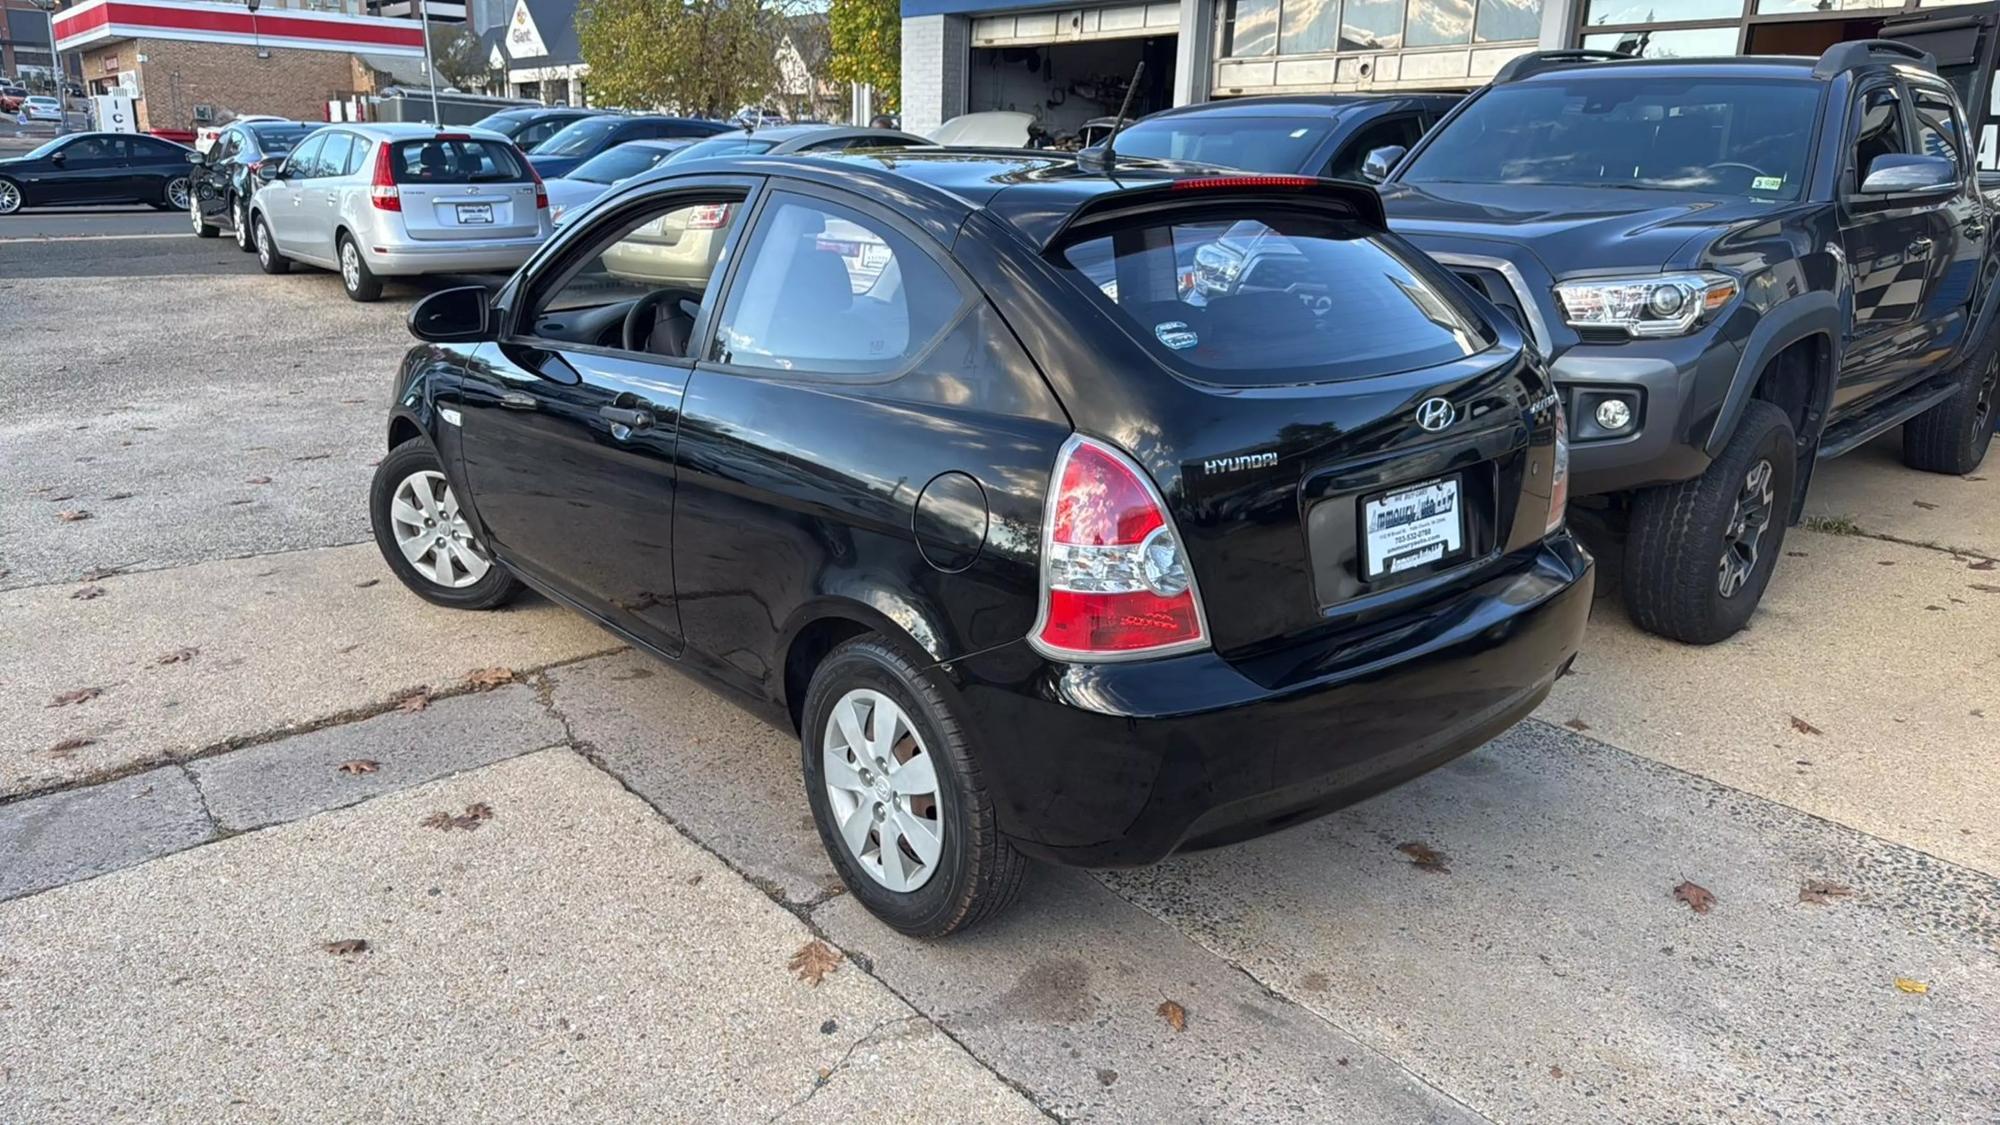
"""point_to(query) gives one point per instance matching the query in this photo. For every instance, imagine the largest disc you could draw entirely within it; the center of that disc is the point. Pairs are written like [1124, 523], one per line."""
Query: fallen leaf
[414, 702]
[257, 480]
[121, 496]
[1925, 505]
[359, 766]
[1885, 562]
[313, 457]
[474, 815]
[1425, 858]
[178, 656]
[485, 678]
[68, 746]
[1577, 725]
[1982, 564]
[347, 947]
[1985, 588]
[1797, 555]
[59, 498]
[1174, 1014]
[1819, 892]
[814, 960]
[1696, 896]
[72, 515]
[87, 593]
[80, 695]
[367, 582]
[1555, 1071]
[1913, 987]
[1804, 727]
[101, 573]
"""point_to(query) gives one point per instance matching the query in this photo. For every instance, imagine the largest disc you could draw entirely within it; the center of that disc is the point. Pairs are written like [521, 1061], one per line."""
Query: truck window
[1937, 126]
[1880, 131]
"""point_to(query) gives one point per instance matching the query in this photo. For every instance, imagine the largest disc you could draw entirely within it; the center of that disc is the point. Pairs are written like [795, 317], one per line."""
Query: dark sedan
[779, 140]
[97, 168]
[561, 154]
[529, 126]
[1312, 134]
[225, 177]
[1042, 551]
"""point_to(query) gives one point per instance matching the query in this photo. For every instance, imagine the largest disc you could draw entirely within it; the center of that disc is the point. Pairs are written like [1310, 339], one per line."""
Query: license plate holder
[475, 214]
[1411, 527]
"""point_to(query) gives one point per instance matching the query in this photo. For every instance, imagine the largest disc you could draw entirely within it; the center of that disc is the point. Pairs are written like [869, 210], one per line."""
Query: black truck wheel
[1701, 551]
[1952, 437]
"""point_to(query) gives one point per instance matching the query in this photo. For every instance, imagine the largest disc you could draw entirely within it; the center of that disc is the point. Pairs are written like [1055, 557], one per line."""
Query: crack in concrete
[1941, 548]
[825, 1078]
[215, 829]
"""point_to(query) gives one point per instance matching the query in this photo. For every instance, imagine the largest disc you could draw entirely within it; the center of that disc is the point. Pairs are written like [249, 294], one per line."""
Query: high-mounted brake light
[382, 189]
[453, 137]
[1115, 583]
[1225, 183]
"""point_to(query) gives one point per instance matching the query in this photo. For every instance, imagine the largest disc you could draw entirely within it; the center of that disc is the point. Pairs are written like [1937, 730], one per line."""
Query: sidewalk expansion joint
[215, 829]
[141, 567]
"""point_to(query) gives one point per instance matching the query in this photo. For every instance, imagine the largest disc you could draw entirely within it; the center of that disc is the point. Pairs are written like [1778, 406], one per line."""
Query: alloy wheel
[10, 198]
[194, 216]
[882, 789]
[263, 244]
[1755, 503]
[350, 265]
[432, 533]
[177, 192]
[241, 224]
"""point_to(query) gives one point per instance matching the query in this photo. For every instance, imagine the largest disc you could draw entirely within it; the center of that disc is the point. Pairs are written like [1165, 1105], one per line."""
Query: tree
[458, 55]
[694, 56]
[868, 46]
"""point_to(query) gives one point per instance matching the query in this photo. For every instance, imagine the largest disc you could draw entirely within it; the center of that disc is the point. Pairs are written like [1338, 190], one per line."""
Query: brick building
[191, 63]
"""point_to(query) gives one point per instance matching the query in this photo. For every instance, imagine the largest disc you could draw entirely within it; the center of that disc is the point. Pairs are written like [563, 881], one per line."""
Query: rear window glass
[455, 162]
[722, 146]
[620, 163]
[280, 139]
[1280, 299]
[1254, 144]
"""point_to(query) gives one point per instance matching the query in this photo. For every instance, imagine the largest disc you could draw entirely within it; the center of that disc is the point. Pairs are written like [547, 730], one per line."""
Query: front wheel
[202, 227]
[896, 792]
[174, 196]
[424, 537]
[10, 197]
[239, 227]
[1702, 551]
[1953, 436]
[355, 276]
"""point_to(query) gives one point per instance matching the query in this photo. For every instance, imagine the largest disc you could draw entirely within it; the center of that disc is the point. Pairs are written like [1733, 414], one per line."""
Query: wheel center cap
[883, 792]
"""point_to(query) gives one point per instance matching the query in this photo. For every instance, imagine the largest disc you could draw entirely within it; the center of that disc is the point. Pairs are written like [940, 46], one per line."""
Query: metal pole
[48, 8]
[430, 67]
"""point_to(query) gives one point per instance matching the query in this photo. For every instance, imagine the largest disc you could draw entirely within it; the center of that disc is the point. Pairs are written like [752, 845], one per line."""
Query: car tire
[269, 258]
[202, 228]
[1953, 436]
[11, 199]
[239, 223]
[975, 872]
[409, 476]
[1701, 551]
[355, 277]
[171, 199]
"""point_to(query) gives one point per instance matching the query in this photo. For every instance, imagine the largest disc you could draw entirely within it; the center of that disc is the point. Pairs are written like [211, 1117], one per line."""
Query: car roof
[1274, 104]
[414, 130]
[548, 111]
[1738, 66]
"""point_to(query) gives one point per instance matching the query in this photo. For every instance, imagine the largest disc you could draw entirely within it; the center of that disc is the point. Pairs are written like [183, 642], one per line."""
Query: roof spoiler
[1846, 56]
[1353, 201]
[1535, 62]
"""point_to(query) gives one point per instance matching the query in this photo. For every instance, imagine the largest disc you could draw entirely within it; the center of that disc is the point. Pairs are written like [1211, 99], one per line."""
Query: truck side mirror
[1380, 162]
[1901, 173]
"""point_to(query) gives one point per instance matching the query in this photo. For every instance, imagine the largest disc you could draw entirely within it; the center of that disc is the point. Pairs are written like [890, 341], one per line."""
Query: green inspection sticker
[1768, 183]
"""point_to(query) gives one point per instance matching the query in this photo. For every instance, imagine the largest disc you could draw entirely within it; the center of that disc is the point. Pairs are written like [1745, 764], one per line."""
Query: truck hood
[1571, 229]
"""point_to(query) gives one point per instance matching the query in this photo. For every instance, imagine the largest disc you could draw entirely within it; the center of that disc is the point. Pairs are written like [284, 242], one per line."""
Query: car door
[282, 200]
[321, 193]
[89, 169]
[210, 179]
[1895, 252]
[567, 436]
[151, 164]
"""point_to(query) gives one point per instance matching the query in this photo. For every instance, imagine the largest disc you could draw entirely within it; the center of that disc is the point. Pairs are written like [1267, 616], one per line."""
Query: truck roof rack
[1860, 52]
[1535, 62]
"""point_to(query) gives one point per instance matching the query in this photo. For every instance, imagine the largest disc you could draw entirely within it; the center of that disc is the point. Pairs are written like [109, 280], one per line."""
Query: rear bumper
[404, 257]
[1122, 764]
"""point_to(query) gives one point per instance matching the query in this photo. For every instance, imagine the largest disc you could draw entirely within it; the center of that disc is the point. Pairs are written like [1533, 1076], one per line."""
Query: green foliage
[691, 56]
[458, 55]
[868, 46]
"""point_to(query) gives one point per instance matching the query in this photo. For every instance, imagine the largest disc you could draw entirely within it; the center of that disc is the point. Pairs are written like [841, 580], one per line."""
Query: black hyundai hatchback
[1046, 541]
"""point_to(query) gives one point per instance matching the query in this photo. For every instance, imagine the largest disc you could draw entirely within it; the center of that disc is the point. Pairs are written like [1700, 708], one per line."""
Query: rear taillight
[708, 216]
[541, 189]
[382, 189]
[1115, 582]
[1559, 477]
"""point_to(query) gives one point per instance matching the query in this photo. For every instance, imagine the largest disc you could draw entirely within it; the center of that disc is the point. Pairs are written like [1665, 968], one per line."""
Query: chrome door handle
[1919, 248]
[627, 420]
[517, 400]
[332, 197]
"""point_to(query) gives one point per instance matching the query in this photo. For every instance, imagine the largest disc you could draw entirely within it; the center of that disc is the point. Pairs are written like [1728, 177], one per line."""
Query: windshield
[1716, 136]
[1254, 144]
[578, 137]
[721, 146]
[279, 139]
[620, 163]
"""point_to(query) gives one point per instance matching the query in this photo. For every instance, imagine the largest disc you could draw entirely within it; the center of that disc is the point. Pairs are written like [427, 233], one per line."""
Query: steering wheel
[1752, 169]
[644, 317]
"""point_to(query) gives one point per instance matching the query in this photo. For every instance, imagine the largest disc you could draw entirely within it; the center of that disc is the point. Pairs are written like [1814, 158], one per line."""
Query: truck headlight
[1661, 305]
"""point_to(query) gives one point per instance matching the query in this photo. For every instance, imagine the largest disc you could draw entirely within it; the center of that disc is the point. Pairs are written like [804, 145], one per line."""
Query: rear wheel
[174, 196]
[10, 197]
[1953, 436]
[1702, 551]
[897, 795]
[361, 285]
[424, 537]
[268, 256]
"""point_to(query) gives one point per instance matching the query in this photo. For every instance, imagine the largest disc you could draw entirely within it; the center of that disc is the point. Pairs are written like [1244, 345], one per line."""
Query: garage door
[1121, 21]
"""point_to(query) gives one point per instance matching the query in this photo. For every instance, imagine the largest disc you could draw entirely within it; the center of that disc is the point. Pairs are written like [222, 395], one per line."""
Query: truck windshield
[1709, 135]
[1254, 144]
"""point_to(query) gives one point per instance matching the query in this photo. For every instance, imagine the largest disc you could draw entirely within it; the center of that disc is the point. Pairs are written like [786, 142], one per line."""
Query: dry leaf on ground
[1174, 1014]
[367, 582]
[346, 947]
[474, 815]
[1698, 897]
[814, 960]
[486, 678]
[72, 515]
[1424, 857]
[1913, 987]
[87, 593]
[178, 656]
[414, 701]
[1819, 892]
[80, 695]
[1985, 588]
[1925, 505]
[69, 746]
[1982, 564]
[1577, 725]
[1804, 727]
[258, 480]
[359, 766]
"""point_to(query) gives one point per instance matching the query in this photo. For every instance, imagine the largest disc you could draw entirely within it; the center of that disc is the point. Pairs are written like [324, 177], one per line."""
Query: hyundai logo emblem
[1436, 414]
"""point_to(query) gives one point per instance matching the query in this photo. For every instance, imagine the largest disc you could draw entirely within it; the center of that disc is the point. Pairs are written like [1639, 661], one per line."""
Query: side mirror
[270, 170]
[1380, 162]
[58, 159]
[196, 158]
[1900, 173]
[453, 316]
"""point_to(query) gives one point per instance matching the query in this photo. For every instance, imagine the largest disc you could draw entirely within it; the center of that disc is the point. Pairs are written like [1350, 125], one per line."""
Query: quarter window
[1937, 127]
[830, 290]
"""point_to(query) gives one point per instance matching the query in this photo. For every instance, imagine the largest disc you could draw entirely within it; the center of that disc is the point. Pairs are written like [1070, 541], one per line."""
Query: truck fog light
[1614, 415]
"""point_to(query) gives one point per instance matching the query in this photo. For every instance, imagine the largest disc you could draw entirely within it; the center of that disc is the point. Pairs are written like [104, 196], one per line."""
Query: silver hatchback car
[392, 200]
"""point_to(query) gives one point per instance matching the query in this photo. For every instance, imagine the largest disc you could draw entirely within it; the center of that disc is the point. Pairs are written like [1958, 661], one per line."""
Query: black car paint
[648, 127]
[223, 178]
[529, 126]
[1798, 263]
[59, 178]
[723, 542]
[1351, 117]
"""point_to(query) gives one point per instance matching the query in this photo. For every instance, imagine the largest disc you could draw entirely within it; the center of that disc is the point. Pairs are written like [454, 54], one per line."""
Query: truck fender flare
[1809, 314]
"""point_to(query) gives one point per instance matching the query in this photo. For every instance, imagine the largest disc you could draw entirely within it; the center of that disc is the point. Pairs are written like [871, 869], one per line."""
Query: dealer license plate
[470, 214]
[1412, 527]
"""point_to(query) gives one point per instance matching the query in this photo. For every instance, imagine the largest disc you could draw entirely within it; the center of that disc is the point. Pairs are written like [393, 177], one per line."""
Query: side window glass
[1880, 131]
[89, 150]
[1405, 131]
[358, 156]
[333, 158]
[226, 146]
[666, 257]
[1937, 127]
[305, 160]
[830, 290]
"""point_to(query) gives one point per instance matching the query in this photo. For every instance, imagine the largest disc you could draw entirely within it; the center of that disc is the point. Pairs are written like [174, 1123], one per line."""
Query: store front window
[1667, 43]
[1258, 28]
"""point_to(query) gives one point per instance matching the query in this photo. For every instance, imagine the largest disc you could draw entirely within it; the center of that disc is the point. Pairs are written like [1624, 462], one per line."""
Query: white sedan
[40, 109]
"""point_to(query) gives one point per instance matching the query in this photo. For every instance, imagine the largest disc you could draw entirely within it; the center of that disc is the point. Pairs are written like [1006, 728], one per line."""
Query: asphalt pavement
[585, 888]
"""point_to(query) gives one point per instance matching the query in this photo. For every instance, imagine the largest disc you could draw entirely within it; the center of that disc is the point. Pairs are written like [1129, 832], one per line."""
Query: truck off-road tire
[1701, 551]
[896, 791]
[1953, 436]
[269, 258]
[426, 540]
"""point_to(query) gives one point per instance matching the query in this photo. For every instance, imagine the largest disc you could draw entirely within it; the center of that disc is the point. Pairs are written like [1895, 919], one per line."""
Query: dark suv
[943, 463]
[1735, 267]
